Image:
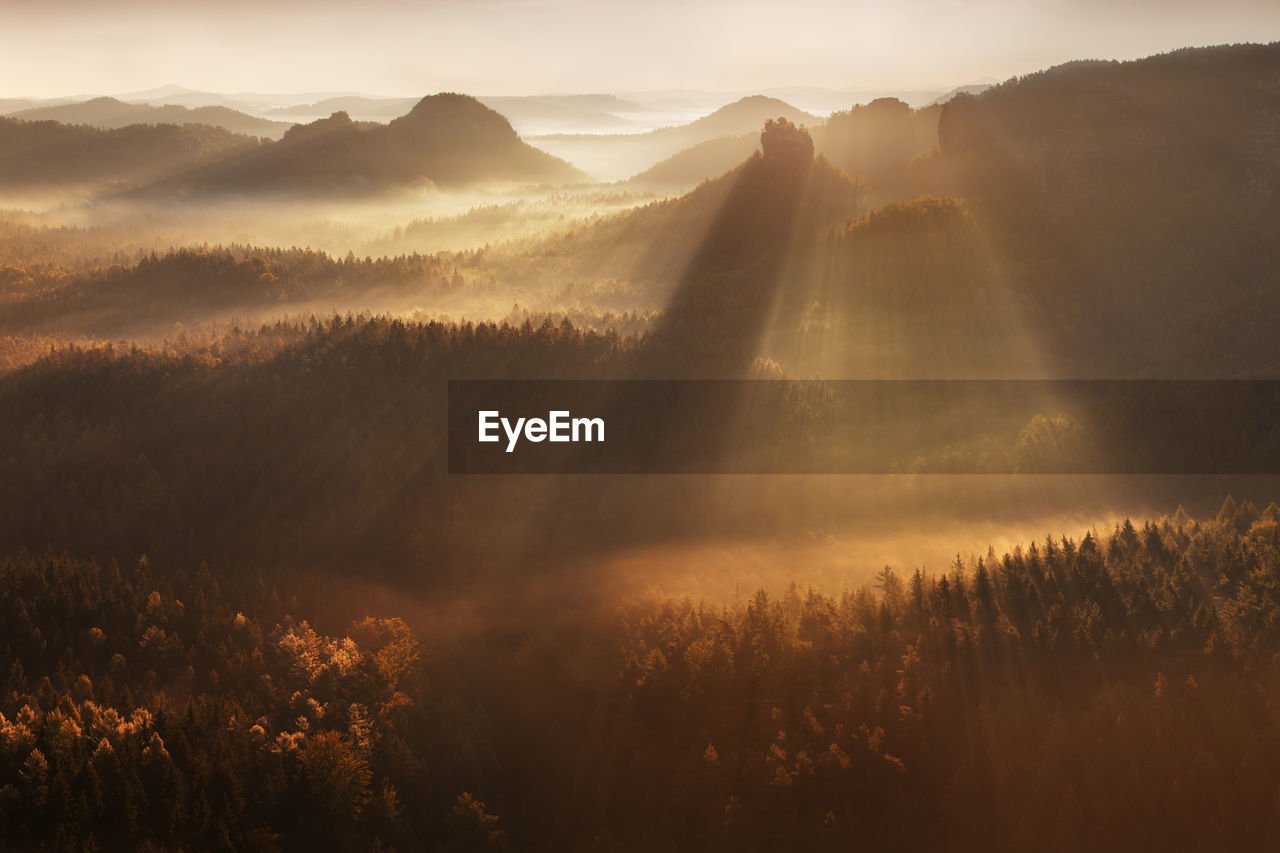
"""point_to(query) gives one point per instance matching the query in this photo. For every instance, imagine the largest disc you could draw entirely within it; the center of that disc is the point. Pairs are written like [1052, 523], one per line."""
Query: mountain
[255, 103]
[885, 129]
[724, 226]
[701, 162]
[711, 235]
[618, 156]
[1072, 222]
[46, 153]
[1208, 110]
[444, 139]
[1195, 125]
[818, 100]
[112, 113]
[771, 210]
[876, 143]
[873, 142]
[742, 116]
[1130, 204]
[535, 114]
[1069, 222]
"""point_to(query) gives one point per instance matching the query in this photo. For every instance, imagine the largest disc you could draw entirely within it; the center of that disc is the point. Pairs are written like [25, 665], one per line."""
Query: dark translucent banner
[864, 427]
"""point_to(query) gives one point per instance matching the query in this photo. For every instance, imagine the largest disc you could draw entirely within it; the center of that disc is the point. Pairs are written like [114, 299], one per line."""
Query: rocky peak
[785, 143]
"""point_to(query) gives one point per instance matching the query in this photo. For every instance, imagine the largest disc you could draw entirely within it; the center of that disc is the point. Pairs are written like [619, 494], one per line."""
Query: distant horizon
[635, 111]
[770, 91]
[498, 48]
[296, 97]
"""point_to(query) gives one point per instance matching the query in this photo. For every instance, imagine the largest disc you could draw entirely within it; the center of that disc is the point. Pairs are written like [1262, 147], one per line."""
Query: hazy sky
[490, 47]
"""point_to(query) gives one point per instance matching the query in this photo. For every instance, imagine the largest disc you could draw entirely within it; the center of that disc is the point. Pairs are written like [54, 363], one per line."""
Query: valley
[249, 607]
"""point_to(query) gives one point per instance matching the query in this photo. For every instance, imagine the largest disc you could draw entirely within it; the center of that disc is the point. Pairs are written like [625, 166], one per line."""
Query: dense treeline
[193, 285]
[156, 709]
[1112, 692]
[30, 248]
[46, 153]
[1109, 692]
[147, 295]
[909, 291]
[378, 655]
[209, 445]
[331, 429]
[1130, 205]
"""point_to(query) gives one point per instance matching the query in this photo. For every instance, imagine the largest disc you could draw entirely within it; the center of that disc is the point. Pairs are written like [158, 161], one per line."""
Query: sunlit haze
[537, 46]
[479, 426]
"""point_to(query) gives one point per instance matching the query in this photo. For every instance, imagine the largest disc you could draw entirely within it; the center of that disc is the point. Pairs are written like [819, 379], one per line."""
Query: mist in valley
[228, 324]
[871, 277]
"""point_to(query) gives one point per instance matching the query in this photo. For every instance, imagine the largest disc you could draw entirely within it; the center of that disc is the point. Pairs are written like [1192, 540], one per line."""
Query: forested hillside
[48, 154]
[1131, 204]
[188, 286]
[1106, 692]
[249, 602]
[332, 429]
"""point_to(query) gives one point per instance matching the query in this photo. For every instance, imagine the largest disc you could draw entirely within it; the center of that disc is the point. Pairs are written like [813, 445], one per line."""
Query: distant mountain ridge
[742, 116]
[112, 113]
[359, 107]
[46, 153]
[447, 139]
[619, 156]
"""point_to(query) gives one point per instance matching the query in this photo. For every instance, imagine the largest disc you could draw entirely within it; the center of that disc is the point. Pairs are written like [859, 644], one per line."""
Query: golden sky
[531, 46]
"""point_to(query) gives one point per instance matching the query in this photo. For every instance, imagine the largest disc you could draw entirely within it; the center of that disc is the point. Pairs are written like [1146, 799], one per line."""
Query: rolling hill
[113, 113]
[698, 163]
[743, 116]
[619, 156]
[49, 154]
